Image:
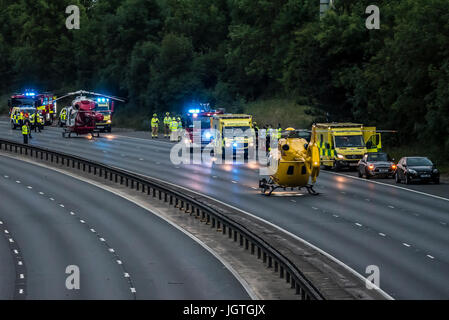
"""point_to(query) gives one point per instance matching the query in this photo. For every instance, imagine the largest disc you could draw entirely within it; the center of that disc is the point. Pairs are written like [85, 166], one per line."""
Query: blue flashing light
[208, 135]
[194, 111]
[234, 144]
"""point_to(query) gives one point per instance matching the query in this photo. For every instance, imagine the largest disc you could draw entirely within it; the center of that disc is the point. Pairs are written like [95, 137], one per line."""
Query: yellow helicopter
[298, 162]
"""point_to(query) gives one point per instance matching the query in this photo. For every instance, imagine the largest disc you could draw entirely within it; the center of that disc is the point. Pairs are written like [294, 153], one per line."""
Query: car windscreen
[349, 141]
[419, 162]
[378, 157]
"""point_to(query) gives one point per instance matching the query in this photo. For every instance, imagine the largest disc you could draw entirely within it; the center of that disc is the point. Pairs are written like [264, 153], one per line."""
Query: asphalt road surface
[122, 250]
[401, 231]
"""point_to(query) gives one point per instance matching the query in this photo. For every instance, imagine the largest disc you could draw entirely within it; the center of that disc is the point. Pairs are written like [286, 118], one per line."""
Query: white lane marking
[11, 240]
[443, 223]
[215, 177]
[140, 159]
[329, 256]
[20, 263]
[431, 257]
[41, 193]
[119, 261]
[234, 181]
[314, 208]
[61, 205]
[133, 290]
[1, 222]
[30, 187]
[6, 177]
[382, 234]
[358, 224]
[16, 252]
[389, 185]
[367, 200]
[335, 215]
[52, 199]
[126, 275]
[111, 250]
[6, 231]
[254, 188]
[391, 207]
[21, 291]
[82, 221]
[406, 244]
[92, 230]
[102, 240]
[18, 181]
[72, 213]
[21, 276]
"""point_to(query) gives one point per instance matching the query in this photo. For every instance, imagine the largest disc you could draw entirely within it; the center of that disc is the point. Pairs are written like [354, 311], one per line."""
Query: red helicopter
[81, 115]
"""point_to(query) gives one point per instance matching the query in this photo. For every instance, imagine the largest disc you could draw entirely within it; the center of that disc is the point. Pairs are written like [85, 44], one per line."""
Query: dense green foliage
[164, 54]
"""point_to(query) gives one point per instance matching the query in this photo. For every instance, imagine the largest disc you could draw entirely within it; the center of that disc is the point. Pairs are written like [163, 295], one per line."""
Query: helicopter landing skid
[267, 187]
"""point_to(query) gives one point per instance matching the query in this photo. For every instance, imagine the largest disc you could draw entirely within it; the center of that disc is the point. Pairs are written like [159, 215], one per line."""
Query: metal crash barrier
[251, 242]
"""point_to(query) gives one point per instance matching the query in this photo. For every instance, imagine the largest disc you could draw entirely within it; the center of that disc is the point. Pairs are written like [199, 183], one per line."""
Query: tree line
[164, 54]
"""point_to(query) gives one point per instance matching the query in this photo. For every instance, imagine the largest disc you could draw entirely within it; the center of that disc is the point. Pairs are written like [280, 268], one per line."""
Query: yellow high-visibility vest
[25, 129]
[167, 120]
[154, 122]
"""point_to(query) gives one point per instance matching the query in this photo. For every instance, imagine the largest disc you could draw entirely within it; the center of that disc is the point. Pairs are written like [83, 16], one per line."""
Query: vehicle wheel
[359, 173]
[396, 178]
[407, 179]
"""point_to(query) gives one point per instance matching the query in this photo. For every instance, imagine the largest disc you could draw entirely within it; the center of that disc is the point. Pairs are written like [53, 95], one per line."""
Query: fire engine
[43, 102]
[196, 117]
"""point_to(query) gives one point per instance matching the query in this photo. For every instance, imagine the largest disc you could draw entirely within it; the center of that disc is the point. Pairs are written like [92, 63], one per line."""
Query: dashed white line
[11, 240]
[336, 216]
[431, 257]
[6, 177]
[21, 291]
[391, 207]
[133, 290]
[119, 261]
[61, 205]
[443, 223]
[16, 252]
[20, 263]
[254, 188]
[111, 250]
[126, 275]
[72, 213]
[82, 221]
[30, 187]
[102, 240]
[406, 244]
[18, 181]
[21, 276]
[358, 224]
[314, 208]
[92, 230]
[52, 199]
[382, 234]
[234, 181]
[41, 193]
[6, 231]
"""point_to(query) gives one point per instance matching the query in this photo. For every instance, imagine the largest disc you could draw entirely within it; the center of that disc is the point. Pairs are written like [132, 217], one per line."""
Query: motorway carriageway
[359, 222]
[123, 251]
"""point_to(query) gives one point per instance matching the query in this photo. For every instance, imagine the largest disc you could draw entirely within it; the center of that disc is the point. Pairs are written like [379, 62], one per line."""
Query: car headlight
[340, 156]
[412, 171]
[109, 121]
